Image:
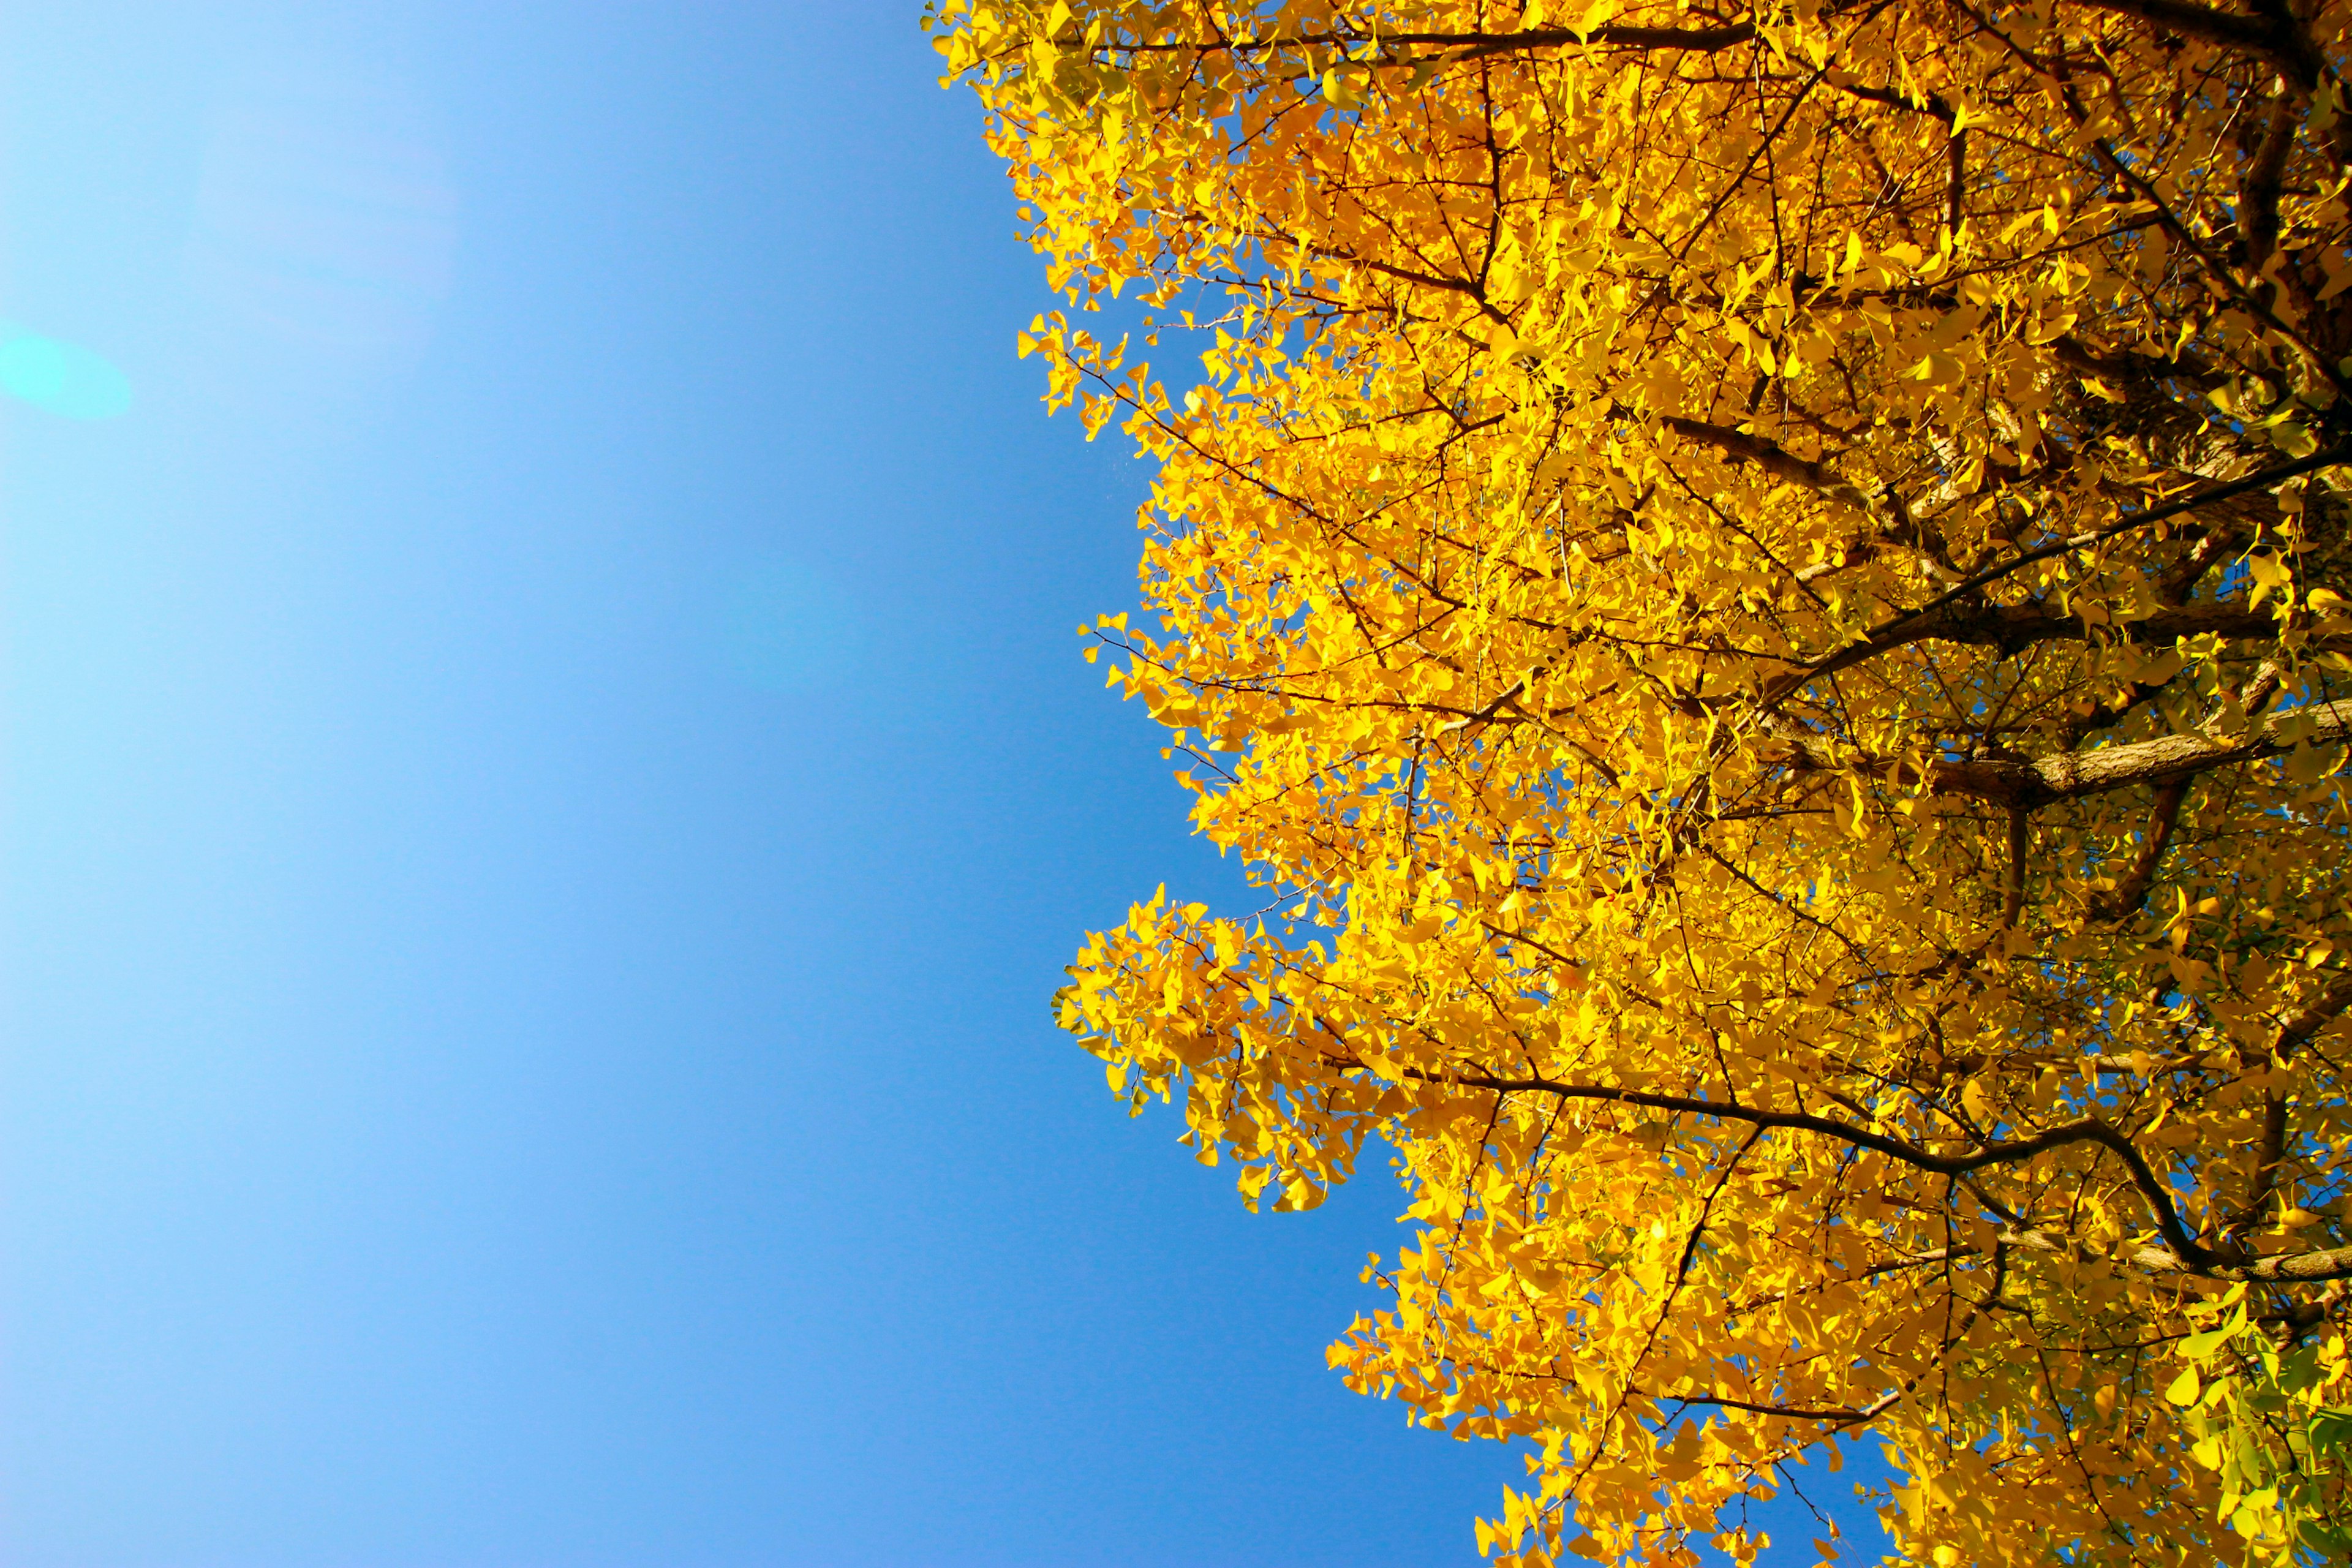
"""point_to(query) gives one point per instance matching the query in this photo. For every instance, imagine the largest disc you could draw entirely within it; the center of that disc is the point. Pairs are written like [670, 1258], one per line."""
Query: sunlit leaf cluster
[1764, 591]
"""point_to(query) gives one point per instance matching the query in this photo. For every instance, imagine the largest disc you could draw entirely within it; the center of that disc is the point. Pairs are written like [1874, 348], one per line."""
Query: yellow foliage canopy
[1774, 580]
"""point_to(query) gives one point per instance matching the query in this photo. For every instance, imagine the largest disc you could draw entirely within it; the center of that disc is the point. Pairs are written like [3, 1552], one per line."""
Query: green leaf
[2331, 1431]
[2197, 1347]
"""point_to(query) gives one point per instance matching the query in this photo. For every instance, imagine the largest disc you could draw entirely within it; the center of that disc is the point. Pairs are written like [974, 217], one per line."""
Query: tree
[1765, 586]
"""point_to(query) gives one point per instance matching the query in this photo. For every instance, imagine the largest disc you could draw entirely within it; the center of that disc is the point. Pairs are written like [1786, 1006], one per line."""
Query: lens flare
[61, 377]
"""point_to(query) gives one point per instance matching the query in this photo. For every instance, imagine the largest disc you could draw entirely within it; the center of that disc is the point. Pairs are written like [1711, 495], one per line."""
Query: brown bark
[2068, 775]
[2132, 891]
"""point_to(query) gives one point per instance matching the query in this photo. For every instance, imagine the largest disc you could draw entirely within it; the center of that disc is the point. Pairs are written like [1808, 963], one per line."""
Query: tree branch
[1467, 46]
[1910, 626]
[2315, 1015]
[2132, 891]
[1772, 457]
[2269, 1153]
[2258, 197]
[2281, 43]
[2185, 1254]
[2021, 835]
[1836, 1416]
[2068, 775]
[2089, 1129]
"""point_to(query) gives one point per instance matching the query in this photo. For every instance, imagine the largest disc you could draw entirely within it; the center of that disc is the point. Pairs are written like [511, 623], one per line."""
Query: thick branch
[2280, 41]
[1956, 186]
[2020, 836]
[2067, 776]
[2216, 542]
[2315, 1015]
[2013, 628]
[2258, 213]
[1772, 457]
[1911, 625]
[2299, 1267]
[2269, 1153]
[2132, 891]
[2146, 370]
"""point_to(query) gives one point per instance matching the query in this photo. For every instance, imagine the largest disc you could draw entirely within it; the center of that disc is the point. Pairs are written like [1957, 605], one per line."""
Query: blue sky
[545, 781]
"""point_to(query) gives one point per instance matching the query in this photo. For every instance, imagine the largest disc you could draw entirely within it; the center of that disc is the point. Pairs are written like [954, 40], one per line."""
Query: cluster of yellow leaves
[1767, 586]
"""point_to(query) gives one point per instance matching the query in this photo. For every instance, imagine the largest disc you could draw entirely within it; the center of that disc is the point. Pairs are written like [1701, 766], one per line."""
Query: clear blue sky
[546, 781]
